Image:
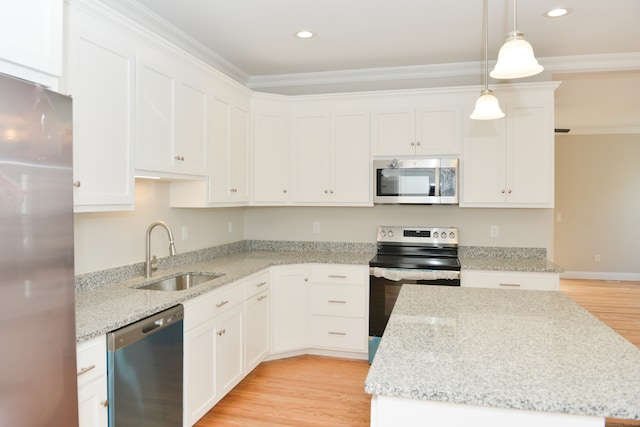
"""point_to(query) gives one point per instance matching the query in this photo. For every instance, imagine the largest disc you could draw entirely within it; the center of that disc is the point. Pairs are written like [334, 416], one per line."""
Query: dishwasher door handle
[152, 327]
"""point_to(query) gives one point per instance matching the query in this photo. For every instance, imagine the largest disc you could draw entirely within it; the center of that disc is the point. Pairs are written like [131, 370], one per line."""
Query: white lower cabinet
[510, 280]
[290, 309]
[257, 320]
[92, 382]
[229, 349]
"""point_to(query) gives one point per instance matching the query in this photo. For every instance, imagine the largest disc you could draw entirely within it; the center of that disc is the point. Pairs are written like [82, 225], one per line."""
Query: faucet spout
[148, 268]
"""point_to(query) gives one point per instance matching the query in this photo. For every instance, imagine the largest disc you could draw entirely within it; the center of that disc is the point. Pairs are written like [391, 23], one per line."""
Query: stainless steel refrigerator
[37, 317]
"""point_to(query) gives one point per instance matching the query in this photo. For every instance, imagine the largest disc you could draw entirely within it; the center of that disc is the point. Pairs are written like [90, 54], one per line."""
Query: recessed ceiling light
[304, 34]
[556, 13]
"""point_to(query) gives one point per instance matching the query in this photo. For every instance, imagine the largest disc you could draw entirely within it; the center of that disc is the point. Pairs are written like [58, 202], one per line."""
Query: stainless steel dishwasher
[144, 371]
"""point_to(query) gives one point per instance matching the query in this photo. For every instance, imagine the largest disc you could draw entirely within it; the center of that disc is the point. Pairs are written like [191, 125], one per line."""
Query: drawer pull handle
[105, 403]
[510, 285]
[85, 370]
[333, 301]
[337, 276]
[222, 332]
[261, 297]
[261, 284]
[337, 333]
[220, 304]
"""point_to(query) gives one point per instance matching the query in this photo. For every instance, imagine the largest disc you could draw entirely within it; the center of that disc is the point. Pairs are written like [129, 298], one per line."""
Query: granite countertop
[529, 265]
[531, 350]
[105, 308]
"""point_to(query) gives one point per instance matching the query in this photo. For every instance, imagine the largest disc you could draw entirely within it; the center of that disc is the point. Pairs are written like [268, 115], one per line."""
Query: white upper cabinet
[229, 152]
[270, 149]
[426, 127]
[31, 40]
[100, 75]
[510, 162]
[172, 117]
[331, 162]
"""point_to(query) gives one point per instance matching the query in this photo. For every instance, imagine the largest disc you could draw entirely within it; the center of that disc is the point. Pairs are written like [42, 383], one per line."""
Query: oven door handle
[397, 274]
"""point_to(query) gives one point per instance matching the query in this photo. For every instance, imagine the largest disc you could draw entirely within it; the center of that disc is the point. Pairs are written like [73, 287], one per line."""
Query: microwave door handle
[438, 189]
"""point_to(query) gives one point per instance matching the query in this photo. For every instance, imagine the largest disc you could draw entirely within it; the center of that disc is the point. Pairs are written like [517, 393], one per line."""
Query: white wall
[517, 227]
[111, 239]
[598, 202]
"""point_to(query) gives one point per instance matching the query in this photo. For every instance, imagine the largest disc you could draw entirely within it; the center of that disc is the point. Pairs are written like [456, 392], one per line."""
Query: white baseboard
[596, 275]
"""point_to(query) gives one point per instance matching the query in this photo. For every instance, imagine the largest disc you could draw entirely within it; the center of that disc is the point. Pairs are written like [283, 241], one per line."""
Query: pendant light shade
[515, 58]
[487, 106]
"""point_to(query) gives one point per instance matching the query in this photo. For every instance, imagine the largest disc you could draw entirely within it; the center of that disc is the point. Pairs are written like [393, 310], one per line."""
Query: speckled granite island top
[530, 350]
[110, 307]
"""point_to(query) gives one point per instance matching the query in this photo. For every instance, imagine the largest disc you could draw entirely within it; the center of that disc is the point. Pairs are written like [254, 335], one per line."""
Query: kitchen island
[466, 356]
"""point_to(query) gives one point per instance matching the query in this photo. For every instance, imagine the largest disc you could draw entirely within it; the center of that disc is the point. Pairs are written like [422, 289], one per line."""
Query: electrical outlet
[597, 258]
[316, 227]
[558, 217]
[494, 231]
[185, 232]
[230, 227]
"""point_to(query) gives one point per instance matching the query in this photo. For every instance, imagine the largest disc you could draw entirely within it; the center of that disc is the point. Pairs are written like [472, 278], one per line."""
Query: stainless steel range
[415, 255]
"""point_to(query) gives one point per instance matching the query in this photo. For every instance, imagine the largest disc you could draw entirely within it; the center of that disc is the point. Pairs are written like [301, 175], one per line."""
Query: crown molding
[560, 64]
[152, 22]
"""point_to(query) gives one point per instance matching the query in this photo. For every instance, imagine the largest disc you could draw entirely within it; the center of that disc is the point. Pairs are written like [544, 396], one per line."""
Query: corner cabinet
[331, 158]
[270, 150]
[510, 162]
[100, 76]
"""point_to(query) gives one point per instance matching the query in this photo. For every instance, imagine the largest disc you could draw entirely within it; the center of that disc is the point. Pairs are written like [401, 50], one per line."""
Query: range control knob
[390, 233]
[382, 233]
[435, 235]
[452, 235]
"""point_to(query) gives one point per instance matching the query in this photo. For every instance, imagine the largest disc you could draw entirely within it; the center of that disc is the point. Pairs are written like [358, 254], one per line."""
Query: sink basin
[180, 282]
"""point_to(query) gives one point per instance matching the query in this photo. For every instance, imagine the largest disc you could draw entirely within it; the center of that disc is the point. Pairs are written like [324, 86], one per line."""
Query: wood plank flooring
[314, 391]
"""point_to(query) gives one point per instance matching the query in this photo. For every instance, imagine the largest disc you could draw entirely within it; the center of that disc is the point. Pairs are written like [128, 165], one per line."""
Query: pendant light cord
[515, 15]
[486, 45]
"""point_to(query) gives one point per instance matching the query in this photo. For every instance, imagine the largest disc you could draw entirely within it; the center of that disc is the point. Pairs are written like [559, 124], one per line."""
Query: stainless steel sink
[180, 282]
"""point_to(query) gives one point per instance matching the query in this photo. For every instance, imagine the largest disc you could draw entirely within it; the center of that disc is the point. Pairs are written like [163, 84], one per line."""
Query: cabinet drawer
[338, 300]
[338, 333]
[257, 284]
[348, 275]
[91, 359]
[205, 307]
[511, 280]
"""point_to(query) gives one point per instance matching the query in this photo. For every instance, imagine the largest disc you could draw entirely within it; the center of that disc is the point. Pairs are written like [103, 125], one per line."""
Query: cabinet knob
[306, 279]
[179, 158]
[413, 144]
[77, 184]
[503, 191]
[326, 191]
[331, 191]
[418, 143]
[105, 403]
[509, 191]
[284, 191]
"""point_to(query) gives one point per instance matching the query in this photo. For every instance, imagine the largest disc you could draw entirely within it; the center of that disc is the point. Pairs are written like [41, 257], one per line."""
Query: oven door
[383, 292]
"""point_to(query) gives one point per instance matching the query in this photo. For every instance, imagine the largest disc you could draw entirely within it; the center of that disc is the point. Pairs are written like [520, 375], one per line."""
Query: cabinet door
[229, 350]
[257, 330]
[483, 179]
[270, 157]
[438, 130]
[351, 166]
[199, 370]
[31, 36]
[290, 310]
[155, 115]
[239, 154]
[100, 75]
[530, 156]
[191, 122]
[394, 132]
[92, 404]
[311, 144]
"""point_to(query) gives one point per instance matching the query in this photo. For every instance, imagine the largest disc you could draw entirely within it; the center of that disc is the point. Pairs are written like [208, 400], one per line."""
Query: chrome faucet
[148, 266]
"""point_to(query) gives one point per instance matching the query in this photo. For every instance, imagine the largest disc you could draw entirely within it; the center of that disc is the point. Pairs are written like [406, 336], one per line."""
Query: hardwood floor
[313, 391]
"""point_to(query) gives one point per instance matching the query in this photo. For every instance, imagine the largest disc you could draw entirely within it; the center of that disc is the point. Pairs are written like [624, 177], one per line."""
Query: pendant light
[487, 106]
[515, 58]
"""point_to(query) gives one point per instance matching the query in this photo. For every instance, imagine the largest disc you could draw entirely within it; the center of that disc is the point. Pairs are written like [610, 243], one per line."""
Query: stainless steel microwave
[416, 181]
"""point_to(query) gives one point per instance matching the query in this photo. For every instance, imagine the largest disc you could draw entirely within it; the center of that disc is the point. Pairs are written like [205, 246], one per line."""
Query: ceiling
[594, 50]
